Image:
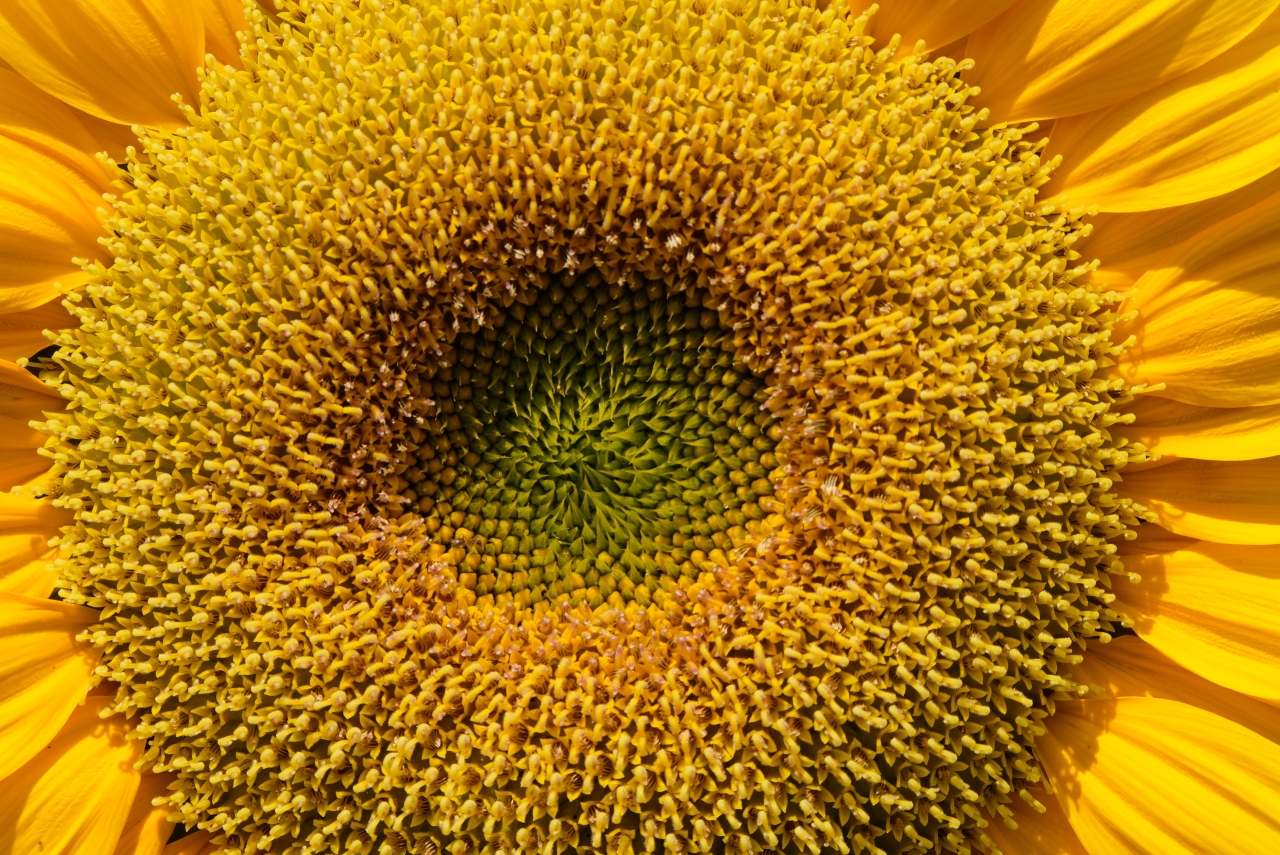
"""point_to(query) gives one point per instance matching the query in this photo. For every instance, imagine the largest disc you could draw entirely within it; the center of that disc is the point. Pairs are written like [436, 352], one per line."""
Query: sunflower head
[606, 426]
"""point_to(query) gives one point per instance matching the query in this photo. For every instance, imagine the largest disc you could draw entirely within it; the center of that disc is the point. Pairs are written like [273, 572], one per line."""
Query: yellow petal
[24, 548]
[19, 462]
[120, 60]
[1147, 776]
[1048, 833]
[112, 137]
[22, 333]
[199, 843]
[222, 20]
[44, 673]
[1205, 433]
[34, 579]
[24, 514]
[1042, 61]
[1222, 502]
[16, 434]
[1208, 323]
[52, 152]
[1130, 667]
[20, 402]
[1208, 132]
[936, 21]
[73, 797]
[146, 830]
[1129, 245]
[23, 397]
[1212, 608]
[1153, 540]
[47, 218]
[26, 526]
[49, 129]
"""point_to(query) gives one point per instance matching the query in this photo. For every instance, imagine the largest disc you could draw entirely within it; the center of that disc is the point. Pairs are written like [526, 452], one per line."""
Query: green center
[601, 439]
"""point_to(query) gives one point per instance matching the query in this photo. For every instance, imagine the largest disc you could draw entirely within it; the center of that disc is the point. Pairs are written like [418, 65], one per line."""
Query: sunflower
[531, 426]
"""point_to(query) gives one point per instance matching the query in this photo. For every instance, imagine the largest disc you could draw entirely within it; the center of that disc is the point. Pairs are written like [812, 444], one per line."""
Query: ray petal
[75, 794]
[1048, 833]
[47, 218]
[222, 20]
[1130, 667]
[33, 579]
[937, 22]
[1213, 608]
[26, 526]
[1148, 776]
[1222, 502]
[120, 60]
[50, 130]
[147, 828]
[1128, 245]
[1205, 433]
[199, 843]
[1208, 323]
[1208, 132]
[112, 137]
[23, 397]
[22, 333]
[20, 464]
[1046, 60]
[44, 673]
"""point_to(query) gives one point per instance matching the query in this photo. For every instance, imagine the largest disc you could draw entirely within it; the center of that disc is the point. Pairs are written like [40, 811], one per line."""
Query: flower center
[606, 443]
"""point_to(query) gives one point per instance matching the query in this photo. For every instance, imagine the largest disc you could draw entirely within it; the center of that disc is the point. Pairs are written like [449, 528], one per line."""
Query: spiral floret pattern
[606, 444]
